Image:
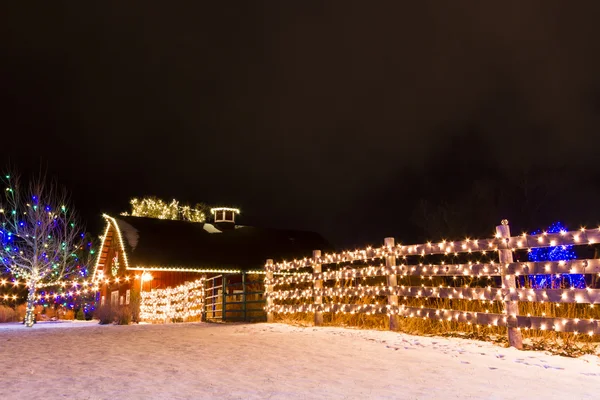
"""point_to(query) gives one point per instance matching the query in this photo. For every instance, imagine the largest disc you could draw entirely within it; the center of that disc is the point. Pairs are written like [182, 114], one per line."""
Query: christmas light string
[350, 273]
[552, 254]
[522, 242]
[470, 269]
[571, 295]
[215, 209]
[182, 302]
[157, 208]
[478, 319]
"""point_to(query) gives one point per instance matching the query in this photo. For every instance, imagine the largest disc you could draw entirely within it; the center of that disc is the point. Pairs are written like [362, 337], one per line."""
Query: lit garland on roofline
[159, 268]
[215, 209]
[205, 270]
[110, 221]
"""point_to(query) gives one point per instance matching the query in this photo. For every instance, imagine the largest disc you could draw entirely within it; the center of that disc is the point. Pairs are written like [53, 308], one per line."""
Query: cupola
[224, 217]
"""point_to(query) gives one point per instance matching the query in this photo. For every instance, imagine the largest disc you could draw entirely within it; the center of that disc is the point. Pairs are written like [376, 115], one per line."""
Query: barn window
[127, 294]
[114, 297]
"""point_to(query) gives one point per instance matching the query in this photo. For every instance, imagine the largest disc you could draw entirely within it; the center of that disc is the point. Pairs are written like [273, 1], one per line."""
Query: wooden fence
[305, 280]
[180, 303]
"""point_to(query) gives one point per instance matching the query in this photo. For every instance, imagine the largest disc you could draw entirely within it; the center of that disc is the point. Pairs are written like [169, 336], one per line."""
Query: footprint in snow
[492, 368]
[465, 362]
[500, 356]
[521, 361]
[550, 366]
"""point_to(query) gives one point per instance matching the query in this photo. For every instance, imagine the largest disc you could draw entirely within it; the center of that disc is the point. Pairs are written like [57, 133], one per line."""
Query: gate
[235, 297]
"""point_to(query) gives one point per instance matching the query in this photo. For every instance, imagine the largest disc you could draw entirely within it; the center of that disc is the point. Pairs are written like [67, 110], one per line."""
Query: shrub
[80, 315]
[7, 314]
[104, 314]
[123, 315]
[37, 310]
[20, 310]
[134, 306]
[50, 312]
[68, 315]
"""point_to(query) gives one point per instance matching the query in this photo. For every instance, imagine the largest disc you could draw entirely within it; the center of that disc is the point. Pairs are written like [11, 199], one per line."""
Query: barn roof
[169, 244]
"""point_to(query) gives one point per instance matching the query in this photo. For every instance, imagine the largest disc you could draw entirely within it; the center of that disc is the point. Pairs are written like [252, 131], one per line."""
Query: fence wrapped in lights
[181, 302]
[354, 282]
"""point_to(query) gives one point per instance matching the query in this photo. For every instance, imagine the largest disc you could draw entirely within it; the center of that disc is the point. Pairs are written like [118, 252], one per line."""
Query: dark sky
[355, 119]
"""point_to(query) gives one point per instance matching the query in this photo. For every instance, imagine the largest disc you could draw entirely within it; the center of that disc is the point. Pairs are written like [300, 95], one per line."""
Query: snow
[210, 228]
[84, 360]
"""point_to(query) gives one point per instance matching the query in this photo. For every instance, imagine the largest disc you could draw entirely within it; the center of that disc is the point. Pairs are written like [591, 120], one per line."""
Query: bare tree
[39, 235]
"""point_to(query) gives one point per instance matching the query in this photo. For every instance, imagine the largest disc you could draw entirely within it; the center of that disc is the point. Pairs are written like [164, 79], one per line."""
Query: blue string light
[554, 253]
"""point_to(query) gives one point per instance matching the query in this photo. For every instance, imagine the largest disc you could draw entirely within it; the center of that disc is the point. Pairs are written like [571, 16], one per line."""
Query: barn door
[235, 297]
[213, 298]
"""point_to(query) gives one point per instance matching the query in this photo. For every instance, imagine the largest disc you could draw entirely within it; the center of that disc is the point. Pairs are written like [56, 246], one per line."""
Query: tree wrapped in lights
[554, 253]
[39, 236]
[75, 296]
[153, 207]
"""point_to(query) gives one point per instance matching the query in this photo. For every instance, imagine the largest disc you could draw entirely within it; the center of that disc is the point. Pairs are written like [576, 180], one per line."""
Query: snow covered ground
[83, 360]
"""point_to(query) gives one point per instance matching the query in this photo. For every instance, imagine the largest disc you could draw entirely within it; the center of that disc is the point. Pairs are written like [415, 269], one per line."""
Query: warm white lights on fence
[305, 286]
[180, 302]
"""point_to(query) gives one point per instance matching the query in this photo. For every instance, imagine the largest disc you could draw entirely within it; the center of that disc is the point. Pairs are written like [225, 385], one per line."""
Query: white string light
[350, 273]
[180, 302]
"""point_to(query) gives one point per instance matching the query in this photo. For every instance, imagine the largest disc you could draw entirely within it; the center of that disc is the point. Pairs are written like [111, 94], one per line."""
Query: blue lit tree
[554, 253]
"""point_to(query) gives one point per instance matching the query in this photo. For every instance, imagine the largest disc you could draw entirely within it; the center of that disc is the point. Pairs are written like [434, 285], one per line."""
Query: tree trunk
[29, 314]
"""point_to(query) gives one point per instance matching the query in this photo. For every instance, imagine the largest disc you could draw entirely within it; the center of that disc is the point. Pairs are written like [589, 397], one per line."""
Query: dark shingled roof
[167, 243]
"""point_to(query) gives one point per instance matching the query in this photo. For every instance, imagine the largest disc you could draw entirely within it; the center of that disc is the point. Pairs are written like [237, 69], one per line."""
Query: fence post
[318, 285]
[392, 282]
[186, 296]
[244, 294]
[224, 301]
[511, 308]
[204, 305]
[168, 309]
[269, 289]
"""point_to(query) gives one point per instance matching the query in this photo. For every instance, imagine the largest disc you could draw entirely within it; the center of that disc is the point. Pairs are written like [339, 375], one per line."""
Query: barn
[141, 254]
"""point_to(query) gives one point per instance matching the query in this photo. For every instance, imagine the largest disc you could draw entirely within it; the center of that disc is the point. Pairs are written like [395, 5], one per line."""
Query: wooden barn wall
[163, 279]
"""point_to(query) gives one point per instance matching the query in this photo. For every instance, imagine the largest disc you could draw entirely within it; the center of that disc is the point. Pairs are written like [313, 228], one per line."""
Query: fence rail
[589, 296]
[488, 282]
[523, 242]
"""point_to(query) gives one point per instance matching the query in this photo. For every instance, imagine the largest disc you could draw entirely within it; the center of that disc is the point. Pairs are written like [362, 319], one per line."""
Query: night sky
[358, 120]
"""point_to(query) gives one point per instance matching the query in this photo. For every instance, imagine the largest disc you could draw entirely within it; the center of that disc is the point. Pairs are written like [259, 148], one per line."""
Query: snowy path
[206, 361]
